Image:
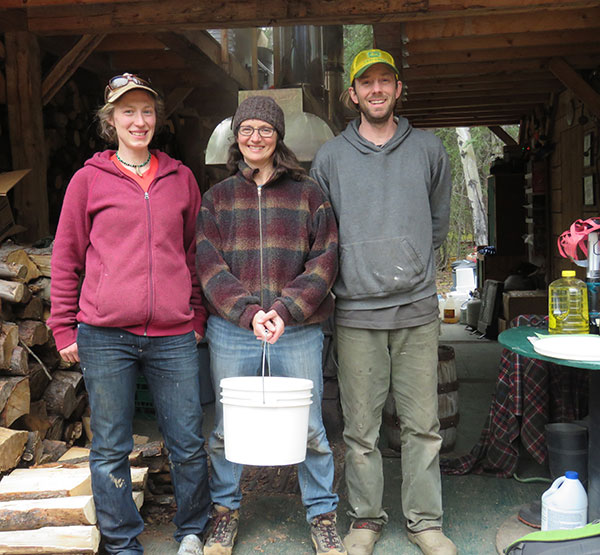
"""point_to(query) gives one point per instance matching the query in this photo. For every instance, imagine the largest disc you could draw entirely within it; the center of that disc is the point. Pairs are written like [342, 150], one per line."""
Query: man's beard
[376, 120]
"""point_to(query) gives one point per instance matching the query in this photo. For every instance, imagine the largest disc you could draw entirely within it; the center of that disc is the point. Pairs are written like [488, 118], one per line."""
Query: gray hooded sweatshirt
[392, 204]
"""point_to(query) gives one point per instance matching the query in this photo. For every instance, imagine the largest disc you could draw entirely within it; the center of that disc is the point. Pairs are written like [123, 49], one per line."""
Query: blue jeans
[296, 354]
[110, 360]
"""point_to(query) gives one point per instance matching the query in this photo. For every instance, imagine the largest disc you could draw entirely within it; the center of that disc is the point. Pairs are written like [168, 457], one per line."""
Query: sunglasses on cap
[119, 81]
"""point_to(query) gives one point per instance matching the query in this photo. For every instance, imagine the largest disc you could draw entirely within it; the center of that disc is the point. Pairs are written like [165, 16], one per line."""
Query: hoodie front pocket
[379, 268]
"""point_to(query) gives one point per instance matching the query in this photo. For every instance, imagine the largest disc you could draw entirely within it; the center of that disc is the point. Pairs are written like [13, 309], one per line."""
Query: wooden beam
[500, 54]
[26, 131]
[129, 41]
[175, 98]
[477, 101]
[68, 65]
[499, 23]
[505, 40]
[485, 68]
[12, 20]
[573, 81]
[157, 15]
[502, 135]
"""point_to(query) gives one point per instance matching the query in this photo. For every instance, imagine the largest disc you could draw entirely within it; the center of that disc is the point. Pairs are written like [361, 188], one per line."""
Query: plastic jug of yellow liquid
[568, 305]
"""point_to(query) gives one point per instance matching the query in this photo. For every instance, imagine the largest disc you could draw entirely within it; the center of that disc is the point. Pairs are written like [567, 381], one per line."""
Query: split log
[41, 258]
[42, 483]
[52, 540]
[73, 378]
[41, 288]
[60, 398]
[33, 310]
[13, 272]
[139, 477]
[9, 339]
[19, 362]
[14, 291]
[16, 392]
[55, 431]
[36, 420]
[54, 449]
[12, 444]
[138, 498]
[34, 449]
[30, 514]
[6, 312]
[76, 453]
[72, 432]
[38, 380]
[80, 405]
[32, 332]
[11, 253]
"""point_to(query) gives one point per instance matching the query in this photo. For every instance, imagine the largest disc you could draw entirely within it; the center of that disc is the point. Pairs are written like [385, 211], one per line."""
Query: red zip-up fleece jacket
[135, 251]
[300, 249]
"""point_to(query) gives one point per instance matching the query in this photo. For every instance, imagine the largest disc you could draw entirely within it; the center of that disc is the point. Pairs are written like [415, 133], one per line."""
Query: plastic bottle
[568, 305]
[565, 504]
[450, 311]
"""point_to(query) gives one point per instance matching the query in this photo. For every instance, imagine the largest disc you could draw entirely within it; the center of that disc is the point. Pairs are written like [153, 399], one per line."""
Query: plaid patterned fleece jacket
[299, 249]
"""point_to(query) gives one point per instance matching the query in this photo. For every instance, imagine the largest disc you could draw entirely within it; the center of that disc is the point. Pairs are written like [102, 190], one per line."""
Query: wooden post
[26, 129]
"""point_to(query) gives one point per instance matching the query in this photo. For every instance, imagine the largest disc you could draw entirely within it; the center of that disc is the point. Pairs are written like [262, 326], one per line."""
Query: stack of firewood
[43, 403]
[50, 509]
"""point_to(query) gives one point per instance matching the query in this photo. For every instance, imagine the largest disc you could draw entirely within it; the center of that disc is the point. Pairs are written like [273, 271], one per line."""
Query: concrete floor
[479, 512]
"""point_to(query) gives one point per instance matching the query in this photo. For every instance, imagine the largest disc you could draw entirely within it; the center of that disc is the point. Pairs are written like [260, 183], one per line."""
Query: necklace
[136, 167]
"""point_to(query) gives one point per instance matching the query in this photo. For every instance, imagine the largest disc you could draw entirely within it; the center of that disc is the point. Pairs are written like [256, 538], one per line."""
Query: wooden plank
[502, 135]
[176, 97]
[30, 514]
[26, 131]
[68, 65]
[538, 21]
[189, 14]
[484, 68]
[576, 84]
[500, 54]
[505, 40]
[42, 483]
[51, 540]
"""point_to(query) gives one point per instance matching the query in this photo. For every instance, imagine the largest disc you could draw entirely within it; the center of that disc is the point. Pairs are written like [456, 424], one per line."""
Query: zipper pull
[146, 196]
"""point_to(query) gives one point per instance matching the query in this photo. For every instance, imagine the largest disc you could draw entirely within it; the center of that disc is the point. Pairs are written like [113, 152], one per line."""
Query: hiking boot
[222, 531]
[433, 542]
[324, 535]
[362, 537]
[190, 545]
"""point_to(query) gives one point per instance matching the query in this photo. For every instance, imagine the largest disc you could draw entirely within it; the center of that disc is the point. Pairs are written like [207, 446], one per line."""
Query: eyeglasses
[119, 81]
[248, 131]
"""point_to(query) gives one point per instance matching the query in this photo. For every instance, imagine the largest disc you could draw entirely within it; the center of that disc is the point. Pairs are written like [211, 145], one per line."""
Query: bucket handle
[266, 358]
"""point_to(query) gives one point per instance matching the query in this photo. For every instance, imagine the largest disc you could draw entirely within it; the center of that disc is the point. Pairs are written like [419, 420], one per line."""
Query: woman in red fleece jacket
[126, 232]
[267, 258]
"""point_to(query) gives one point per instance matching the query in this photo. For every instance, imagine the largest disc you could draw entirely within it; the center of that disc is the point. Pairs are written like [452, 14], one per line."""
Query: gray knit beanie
[263, 108]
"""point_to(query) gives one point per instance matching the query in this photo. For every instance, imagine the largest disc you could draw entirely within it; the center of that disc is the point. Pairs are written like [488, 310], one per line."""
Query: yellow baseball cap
[365, 59]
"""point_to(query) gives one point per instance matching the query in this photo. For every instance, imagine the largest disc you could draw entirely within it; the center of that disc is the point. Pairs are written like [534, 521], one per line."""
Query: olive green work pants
[371, 363]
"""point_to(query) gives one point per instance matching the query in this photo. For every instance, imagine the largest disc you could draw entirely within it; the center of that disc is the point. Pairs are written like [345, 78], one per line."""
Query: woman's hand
[268, 326]
[70, 353]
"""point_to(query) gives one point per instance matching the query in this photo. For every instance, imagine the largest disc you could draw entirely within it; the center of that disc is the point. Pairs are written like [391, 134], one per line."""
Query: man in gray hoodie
[390, 186]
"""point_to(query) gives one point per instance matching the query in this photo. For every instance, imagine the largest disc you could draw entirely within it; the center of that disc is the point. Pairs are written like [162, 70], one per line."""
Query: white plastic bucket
[265, 427]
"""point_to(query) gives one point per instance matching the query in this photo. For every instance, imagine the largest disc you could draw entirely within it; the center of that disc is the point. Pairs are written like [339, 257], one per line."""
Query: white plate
[570, 347]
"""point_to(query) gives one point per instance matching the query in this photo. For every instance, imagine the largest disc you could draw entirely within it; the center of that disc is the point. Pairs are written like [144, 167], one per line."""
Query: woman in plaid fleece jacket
[266, 256]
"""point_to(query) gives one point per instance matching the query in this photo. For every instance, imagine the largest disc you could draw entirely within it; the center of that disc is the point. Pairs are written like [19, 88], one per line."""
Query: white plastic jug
[565, 504]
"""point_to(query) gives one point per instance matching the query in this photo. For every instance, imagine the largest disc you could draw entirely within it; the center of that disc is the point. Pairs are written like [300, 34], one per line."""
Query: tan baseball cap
[120, 84]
